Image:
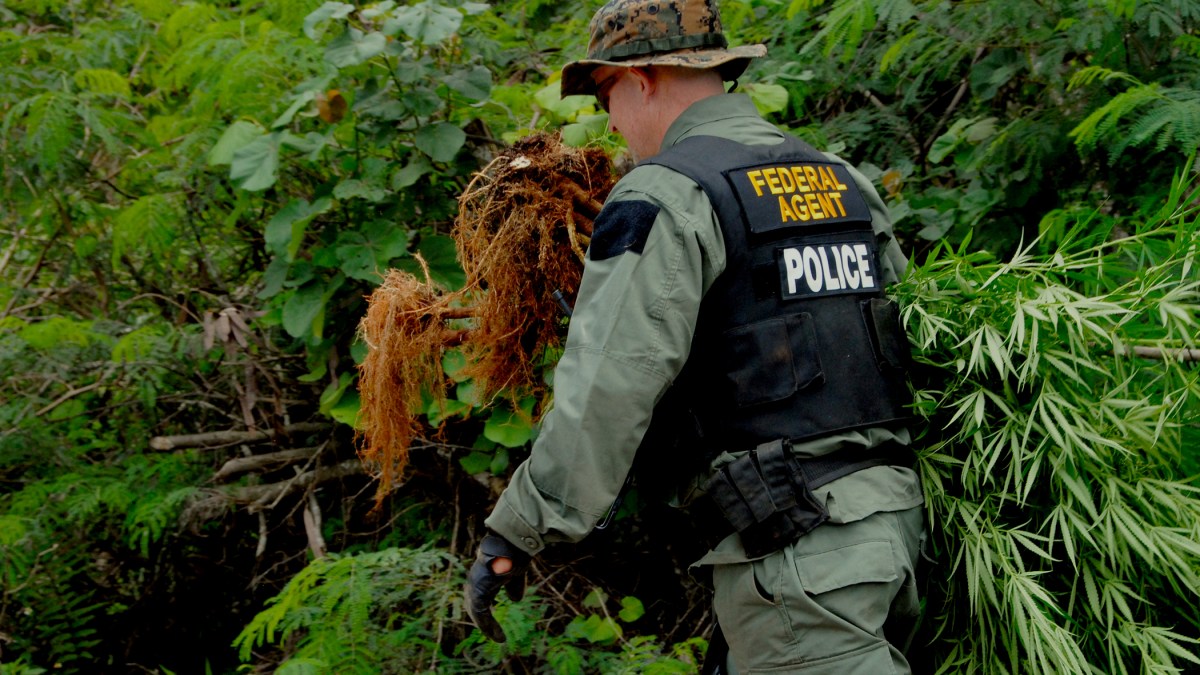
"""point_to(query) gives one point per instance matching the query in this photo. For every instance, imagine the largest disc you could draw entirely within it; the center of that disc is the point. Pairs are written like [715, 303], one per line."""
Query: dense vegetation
[195, 198]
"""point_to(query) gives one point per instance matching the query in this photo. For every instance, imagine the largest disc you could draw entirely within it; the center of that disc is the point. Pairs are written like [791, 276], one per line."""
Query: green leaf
[549, 98]
[355, 187]
[274, 277]
[453, 364]
[474, 84]
[299, 102]
[476, 462]
[499, 462]
[631, 609]
[440, 411]
[255, 165]
[595, 599]
[285, 230]
[509, 429]
[353, 47]
[440, 140]
[426, 22]
[768, 98]
[314, 23]
[418, 166]
[302, 309]
[586, 129]
[333, 392]
[102, 81]
[442, 258]
[346, 409]
[239, 134]
[366, 254]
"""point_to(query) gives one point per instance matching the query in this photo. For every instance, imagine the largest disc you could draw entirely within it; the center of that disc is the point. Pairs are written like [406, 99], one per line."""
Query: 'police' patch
[620, 227]
[780, 196]
[849, 265]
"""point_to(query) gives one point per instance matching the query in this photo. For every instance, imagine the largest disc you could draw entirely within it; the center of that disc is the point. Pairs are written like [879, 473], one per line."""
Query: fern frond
[102, 81]
[1096, 126]
[147, 224]
[1089, 74]
[844, 27]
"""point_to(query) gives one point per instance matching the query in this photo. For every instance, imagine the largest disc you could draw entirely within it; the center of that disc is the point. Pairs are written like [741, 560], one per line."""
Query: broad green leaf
[474, 84]
[499, 462]
[943, 145]
[303, 308]
[549, 98]
[333, 393]
[442, 258]
[346, 409]
[355, 187]
[476, 462]
[366, 254]
[440, 140]
[453, 363]
[239, 135]
[509, 429]
[274, 277]
[631, 609]
[353, 47]
[418, 166]
[584, 130]
[595, 599]
[285, 230]
[426, 22]
[254, 166]
[439, 412]
[768, 98]
[298, 103]
[314, 23]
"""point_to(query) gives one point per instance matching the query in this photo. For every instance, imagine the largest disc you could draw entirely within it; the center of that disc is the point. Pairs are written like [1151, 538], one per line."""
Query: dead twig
[269, 461]
[228, 437]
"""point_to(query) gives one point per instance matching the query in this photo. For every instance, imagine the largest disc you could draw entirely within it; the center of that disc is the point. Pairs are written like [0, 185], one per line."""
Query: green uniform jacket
[629, 338]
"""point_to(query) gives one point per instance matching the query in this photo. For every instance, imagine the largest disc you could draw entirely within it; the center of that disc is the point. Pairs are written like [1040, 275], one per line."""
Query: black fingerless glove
[483, 584]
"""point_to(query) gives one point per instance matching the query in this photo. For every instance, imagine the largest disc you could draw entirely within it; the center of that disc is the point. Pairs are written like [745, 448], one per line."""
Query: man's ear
[646, 79]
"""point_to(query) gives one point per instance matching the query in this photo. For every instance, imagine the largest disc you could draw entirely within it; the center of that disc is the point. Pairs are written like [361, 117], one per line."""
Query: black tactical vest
[795, 339]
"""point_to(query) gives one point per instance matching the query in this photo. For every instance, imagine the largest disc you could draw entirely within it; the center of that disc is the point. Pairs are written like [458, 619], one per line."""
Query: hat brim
[731, 63]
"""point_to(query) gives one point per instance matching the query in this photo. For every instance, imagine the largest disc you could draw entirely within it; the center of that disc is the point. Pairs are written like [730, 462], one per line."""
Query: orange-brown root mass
[524, 222]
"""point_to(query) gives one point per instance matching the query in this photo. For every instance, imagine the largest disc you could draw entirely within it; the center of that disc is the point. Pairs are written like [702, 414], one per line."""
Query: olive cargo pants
[841, 600]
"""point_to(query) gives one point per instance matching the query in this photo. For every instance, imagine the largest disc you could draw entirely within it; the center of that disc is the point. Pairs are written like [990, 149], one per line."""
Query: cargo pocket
[888, 339]
[773, 359]
[862, 563]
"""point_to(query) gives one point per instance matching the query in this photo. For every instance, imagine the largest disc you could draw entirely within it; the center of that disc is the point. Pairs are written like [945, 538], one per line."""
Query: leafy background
[197, 197]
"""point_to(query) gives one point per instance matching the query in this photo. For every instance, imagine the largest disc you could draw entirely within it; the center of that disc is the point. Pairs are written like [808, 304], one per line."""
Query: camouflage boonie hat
[657, 32]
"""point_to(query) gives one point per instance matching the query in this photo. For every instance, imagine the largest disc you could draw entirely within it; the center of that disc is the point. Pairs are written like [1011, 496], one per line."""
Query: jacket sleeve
[655, 250]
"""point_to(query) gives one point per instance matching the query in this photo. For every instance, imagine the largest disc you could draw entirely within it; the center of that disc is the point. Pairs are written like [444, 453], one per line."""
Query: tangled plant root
[523, 225]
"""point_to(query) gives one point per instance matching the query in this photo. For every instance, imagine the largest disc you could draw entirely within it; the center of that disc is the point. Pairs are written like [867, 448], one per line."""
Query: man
[733, 294]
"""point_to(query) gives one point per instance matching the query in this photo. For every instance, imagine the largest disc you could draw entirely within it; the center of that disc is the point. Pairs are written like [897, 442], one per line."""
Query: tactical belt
[766, 495]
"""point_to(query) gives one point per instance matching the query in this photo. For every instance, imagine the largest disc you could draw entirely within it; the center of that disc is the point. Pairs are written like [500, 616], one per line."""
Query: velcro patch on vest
[850, 265]
[781, 196]
[621, 226]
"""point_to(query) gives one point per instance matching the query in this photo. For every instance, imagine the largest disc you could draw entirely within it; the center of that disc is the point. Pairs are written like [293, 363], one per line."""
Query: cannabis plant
[1060, 391]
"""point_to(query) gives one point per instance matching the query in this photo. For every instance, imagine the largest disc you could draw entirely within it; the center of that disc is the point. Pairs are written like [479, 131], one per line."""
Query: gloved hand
[483, 583]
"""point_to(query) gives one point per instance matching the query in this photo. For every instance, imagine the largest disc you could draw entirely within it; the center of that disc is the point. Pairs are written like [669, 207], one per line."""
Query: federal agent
[733, 303]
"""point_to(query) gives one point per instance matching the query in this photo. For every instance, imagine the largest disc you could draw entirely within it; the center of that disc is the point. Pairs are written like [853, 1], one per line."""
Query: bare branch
[273, 460]
[1161, 353]
[259, 497]
[229, 436]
